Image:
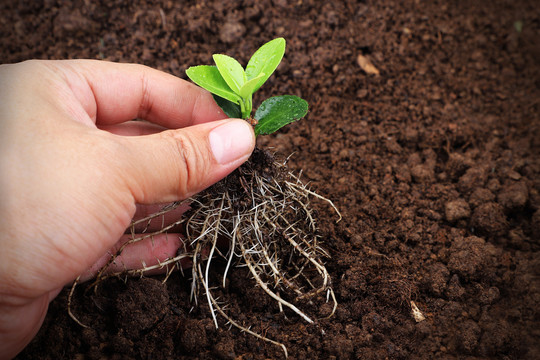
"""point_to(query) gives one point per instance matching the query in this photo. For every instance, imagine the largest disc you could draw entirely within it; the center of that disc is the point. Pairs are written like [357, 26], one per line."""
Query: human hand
[74, 170]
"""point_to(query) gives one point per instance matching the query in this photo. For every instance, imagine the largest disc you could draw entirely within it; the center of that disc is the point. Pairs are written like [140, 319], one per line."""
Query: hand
[74, 170]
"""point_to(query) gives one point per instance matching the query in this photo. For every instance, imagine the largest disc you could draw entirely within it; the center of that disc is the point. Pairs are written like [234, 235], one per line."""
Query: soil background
[434, 164]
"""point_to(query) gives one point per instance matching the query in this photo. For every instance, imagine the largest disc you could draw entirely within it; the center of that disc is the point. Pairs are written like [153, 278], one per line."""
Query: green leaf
[209, 78]
[231, 70]
[248, 88]
[278, 111]
[265, 61]
[231, 109]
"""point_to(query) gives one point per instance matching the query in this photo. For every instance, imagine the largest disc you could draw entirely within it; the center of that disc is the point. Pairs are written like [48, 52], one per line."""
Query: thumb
[176, 164]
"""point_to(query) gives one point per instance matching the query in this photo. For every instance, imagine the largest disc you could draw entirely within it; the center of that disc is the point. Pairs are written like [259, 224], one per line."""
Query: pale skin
[75, 170]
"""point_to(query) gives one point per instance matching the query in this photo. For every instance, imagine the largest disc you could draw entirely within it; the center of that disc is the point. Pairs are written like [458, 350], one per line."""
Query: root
[272, 231]
[265, 287]
[214, 303]
[264, 212]
[69, 300]
[175, 261]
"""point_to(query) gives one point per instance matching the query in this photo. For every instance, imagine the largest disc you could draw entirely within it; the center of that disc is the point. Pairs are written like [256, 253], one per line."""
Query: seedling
[262, 209]
[233, 88]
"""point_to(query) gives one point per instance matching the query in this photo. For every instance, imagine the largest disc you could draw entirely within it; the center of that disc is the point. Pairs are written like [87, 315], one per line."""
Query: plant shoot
[233, 88]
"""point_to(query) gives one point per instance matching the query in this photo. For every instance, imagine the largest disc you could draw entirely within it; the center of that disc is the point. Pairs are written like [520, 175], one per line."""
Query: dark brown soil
[434, 163]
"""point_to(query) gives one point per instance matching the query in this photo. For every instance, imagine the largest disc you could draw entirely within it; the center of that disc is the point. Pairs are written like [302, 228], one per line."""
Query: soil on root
[260, 217]
[434, 165]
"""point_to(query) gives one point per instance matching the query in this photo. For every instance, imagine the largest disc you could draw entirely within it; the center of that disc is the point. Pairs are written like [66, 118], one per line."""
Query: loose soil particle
[434, 164]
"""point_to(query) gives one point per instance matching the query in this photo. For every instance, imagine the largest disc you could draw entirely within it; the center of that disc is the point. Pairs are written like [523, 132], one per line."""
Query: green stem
[246, 107]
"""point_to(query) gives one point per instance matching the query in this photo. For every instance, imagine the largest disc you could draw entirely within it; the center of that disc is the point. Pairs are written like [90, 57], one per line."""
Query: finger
[133, 128]
[175, 164]
[112, 93]
[158, 222]
[143, 254]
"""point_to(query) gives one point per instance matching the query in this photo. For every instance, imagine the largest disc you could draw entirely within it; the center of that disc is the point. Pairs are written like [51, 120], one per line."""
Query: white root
[272, 232]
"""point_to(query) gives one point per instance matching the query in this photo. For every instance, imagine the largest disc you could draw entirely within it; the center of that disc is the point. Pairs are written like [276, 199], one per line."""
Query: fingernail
[231, 141]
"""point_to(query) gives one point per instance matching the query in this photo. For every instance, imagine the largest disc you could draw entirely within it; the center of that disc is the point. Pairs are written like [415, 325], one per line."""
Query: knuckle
[190, 162]
[146, 102]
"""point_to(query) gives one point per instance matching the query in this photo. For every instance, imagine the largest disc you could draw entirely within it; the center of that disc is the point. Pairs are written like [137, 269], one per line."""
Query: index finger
[113, 93]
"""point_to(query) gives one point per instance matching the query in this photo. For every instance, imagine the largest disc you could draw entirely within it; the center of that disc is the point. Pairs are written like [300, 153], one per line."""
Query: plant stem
[246, 106]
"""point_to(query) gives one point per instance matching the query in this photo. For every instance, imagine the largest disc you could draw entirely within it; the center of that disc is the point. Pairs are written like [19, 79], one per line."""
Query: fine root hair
[263, 214]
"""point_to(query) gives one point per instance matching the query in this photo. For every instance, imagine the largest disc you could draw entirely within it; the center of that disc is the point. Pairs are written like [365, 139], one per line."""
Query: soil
[434, 163]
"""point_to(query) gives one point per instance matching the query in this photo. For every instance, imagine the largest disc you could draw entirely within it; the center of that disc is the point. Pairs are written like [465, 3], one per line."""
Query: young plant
[233, 88]
[262, 209]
